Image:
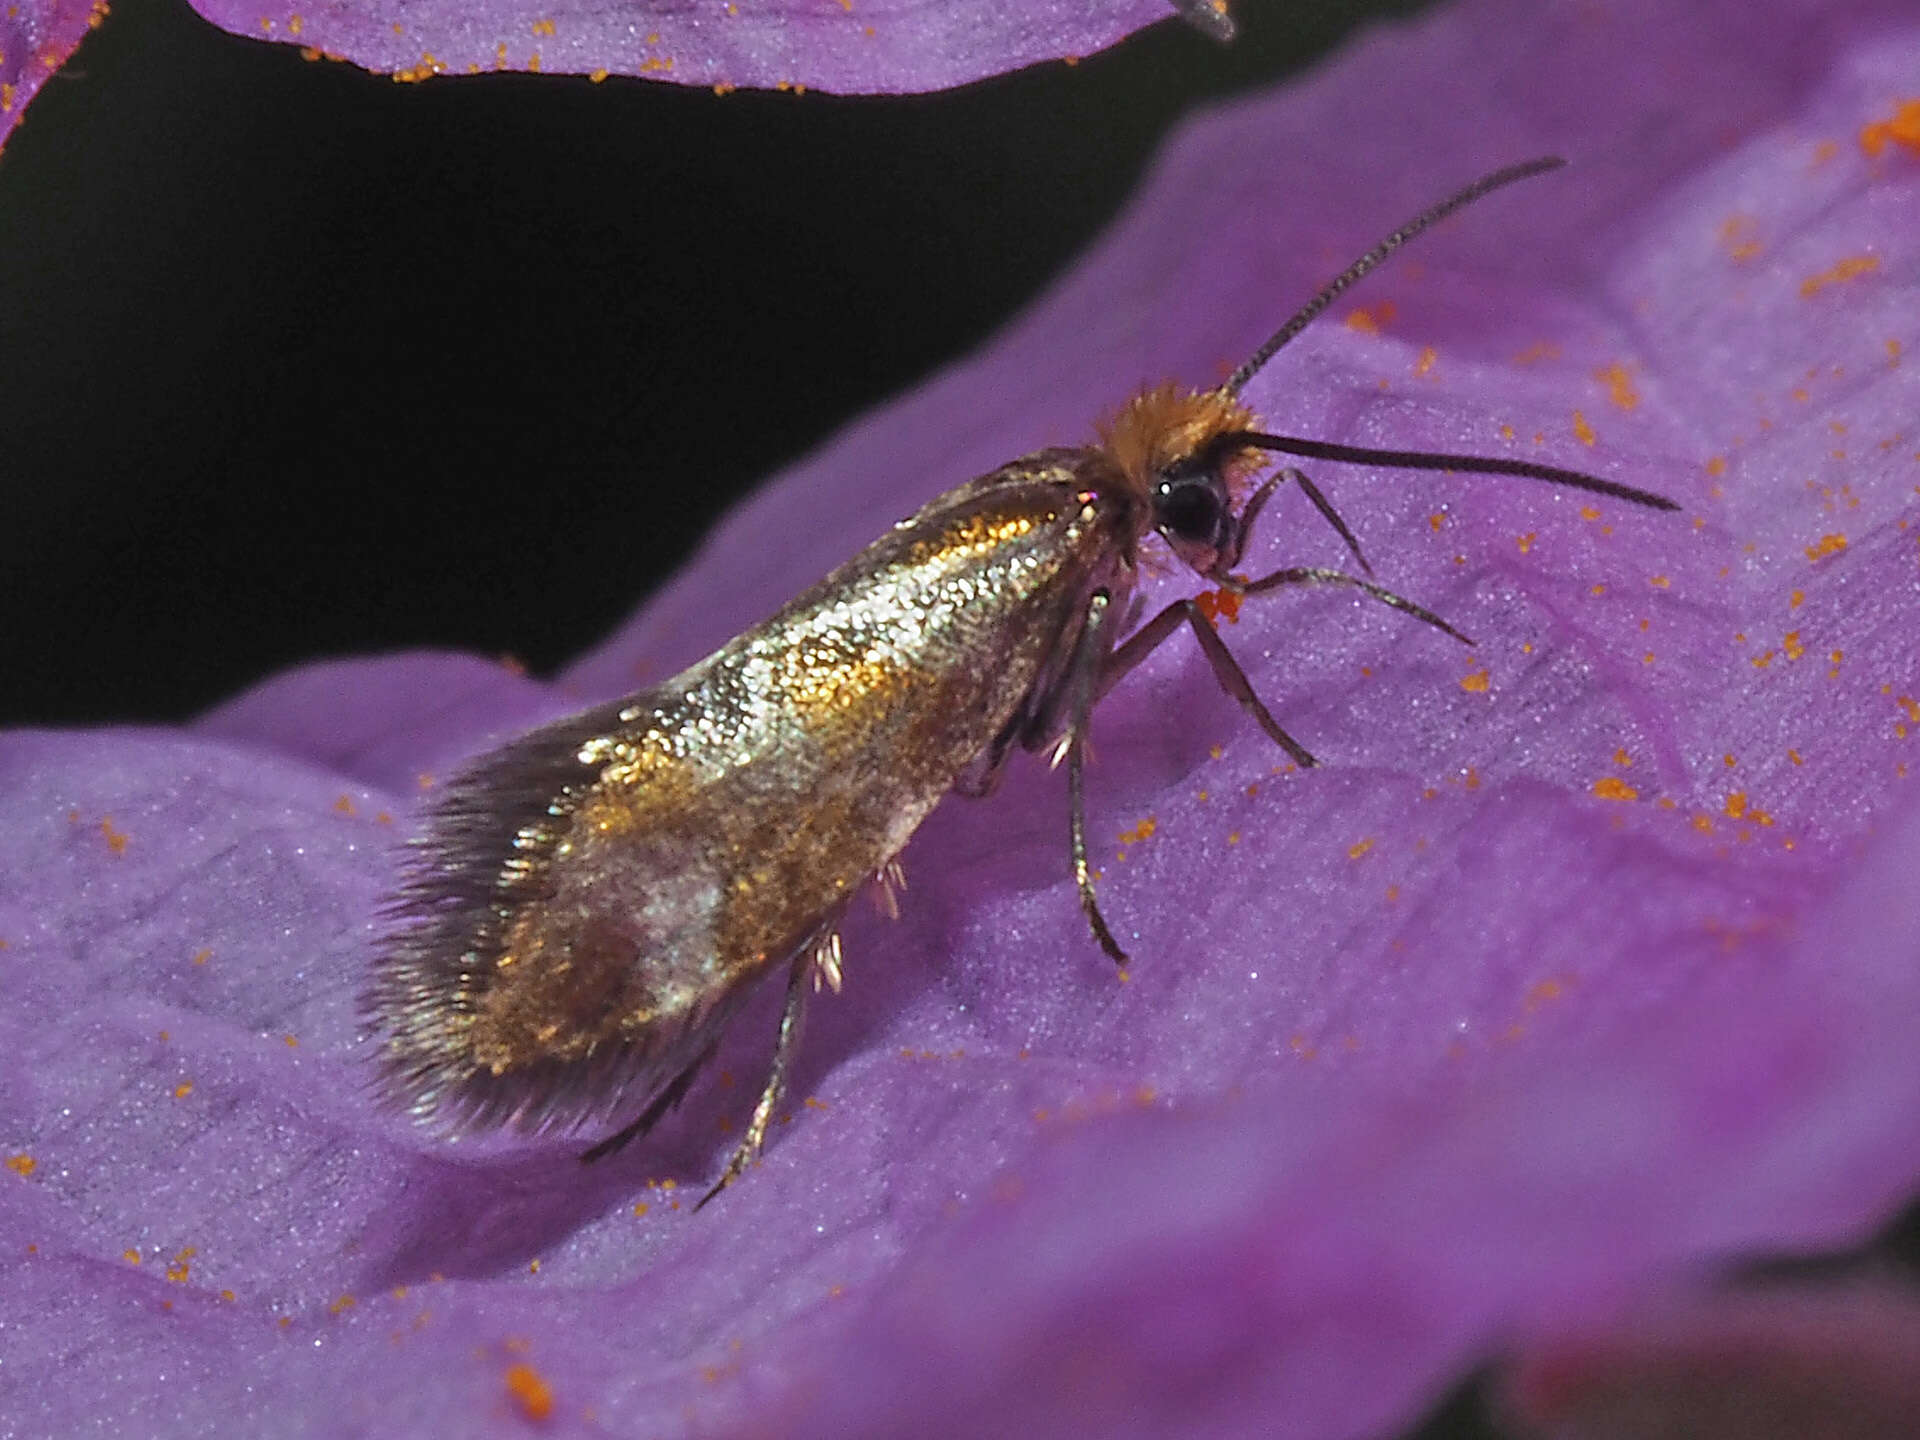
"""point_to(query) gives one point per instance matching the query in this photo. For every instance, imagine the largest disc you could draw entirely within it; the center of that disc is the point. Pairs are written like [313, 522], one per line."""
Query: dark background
[297, 361]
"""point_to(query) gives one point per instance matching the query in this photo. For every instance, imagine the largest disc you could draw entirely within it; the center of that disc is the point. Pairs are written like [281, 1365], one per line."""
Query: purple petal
[1587, 959]
[846, 46]
[387, 721]
[36, 37]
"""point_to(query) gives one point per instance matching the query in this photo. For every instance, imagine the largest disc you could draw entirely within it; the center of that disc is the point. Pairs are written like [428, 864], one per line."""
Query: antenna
[1331, 291]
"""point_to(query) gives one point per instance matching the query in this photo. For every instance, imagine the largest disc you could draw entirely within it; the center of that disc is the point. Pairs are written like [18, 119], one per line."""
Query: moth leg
[656, 1110]
[1327, 513]
[1243, 528]
[1226, 670]
[808, 963]
[1137, 646]
[1316, 575]
[1084, 685]
[981, 777]
[889, 881]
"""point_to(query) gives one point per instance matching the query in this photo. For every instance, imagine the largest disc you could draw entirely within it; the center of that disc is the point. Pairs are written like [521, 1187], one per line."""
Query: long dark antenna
[1332, 289]
[1440, 460]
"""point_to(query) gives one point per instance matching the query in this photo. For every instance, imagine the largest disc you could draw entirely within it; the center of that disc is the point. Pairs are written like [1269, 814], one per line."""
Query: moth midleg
[1315, 575]
[1136, 647]
[1082, 684]
[1226, 670]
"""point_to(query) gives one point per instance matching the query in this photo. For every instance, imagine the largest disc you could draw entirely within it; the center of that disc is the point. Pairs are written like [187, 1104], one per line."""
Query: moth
[593, 902]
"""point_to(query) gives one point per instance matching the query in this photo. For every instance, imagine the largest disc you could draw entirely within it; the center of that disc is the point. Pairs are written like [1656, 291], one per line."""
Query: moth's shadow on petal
[469, 1219]
[482, 1215]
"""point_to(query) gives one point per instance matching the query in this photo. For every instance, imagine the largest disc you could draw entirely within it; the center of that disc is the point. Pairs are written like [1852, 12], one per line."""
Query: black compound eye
[1191, 507]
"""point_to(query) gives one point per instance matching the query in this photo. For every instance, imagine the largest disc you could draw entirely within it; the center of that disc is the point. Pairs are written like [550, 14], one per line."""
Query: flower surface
[1586, 962]
[848, 46]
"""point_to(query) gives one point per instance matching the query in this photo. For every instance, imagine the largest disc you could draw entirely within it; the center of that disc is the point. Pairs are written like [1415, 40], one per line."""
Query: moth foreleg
[1327, 513]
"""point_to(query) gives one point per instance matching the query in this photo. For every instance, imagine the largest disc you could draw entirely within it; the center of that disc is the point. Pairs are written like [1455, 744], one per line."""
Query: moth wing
[515, 992]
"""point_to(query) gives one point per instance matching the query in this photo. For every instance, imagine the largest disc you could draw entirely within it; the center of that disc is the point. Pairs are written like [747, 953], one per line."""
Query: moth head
[1181, 452]
[1187, 458]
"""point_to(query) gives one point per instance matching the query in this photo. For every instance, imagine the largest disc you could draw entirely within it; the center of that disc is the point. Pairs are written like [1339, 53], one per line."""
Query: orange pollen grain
[1619, 385]
[1582, 431]
[530, 1391]
[1828, 545]
[1612, 787]
[1220, 605]
[1902, 128]
[1737, 234]
[1367, 320]
[1428, 356]
[1736, 804]
[1838, 273]
[22, 1164]
[1475, 682]
[1359, 848]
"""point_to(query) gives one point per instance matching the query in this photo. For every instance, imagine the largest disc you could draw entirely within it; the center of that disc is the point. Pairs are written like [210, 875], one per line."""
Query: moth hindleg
[656, 1110]
[820, 956]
